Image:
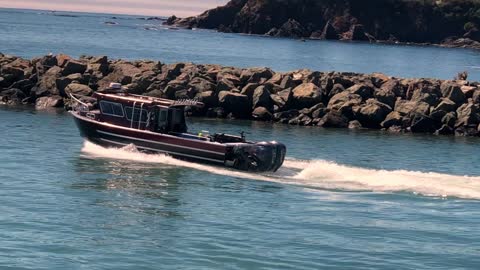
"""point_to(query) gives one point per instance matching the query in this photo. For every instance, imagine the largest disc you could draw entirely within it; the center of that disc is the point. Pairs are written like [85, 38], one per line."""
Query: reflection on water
[152, 189]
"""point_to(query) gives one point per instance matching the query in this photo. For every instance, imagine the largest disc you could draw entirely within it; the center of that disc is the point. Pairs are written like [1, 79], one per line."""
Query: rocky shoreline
[446, 23]
[301, 97]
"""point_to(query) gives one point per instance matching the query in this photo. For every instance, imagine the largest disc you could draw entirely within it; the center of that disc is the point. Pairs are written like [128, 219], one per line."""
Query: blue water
[343, 200]
[34, 33]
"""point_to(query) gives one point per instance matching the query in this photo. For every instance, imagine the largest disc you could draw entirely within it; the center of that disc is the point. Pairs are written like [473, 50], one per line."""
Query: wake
[320, 174]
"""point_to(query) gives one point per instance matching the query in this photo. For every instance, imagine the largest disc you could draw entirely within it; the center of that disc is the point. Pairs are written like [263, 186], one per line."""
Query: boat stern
[258, 157]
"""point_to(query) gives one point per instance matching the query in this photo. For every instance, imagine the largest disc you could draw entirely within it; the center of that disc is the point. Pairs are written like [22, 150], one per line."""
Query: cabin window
[177, 121]
[136, 114]
[111, 108]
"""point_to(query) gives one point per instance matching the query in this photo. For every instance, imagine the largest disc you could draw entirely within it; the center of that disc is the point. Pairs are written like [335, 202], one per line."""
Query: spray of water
[321, 174]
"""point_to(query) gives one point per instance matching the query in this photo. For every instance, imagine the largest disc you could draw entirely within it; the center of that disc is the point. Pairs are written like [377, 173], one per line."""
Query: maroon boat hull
[116, 136]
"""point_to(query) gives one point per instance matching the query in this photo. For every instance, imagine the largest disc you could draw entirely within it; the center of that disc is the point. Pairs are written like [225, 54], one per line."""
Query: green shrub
[469, 26]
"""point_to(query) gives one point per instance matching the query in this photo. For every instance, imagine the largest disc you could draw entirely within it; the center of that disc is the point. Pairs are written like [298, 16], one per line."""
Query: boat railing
[78, 105]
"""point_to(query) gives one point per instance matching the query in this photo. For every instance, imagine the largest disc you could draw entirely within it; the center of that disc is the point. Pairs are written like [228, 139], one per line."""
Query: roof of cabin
[131, 98]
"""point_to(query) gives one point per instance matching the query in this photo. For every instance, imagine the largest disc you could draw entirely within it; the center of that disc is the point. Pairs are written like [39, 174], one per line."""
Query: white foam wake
[321, 174]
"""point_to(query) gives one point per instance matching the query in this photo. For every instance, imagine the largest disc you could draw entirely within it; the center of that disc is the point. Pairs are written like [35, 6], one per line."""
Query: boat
[115, 118]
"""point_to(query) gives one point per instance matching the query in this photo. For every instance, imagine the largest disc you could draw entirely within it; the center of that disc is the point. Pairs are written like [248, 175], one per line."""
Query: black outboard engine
[258, 157]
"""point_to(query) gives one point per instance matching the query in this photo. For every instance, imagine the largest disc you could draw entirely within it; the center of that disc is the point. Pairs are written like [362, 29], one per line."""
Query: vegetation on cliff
[448, 22]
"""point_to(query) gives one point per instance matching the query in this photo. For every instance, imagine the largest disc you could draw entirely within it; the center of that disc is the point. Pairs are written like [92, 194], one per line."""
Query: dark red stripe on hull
[109, 135]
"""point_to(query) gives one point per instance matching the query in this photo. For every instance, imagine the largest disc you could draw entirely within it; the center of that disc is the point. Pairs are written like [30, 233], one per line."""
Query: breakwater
[301, 97]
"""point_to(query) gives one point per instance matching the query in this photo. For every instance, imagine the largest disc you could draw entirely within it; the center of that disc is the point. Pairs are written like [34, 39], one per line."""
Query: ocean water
[34, 33]
[343, 200]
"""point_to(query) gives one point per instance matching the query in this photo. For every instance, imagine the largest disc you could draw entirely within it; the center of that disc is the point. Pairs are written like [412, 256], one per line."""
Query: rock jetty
[301, 97]
[451, 23]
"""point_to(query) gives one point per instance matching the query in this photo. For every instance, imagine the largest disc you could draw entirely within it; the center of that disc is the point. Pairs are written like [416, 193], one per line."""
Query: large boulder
[256, 75]
[62, 59]
[449, 119]
[48, 83]
[468, 115]
[395, 87]
[392, 119]
[208, 98]
[372, 113]
[307, 95]
[453, 92]
[236, 103]
[72, 67]
[425, 95]
[344, 99]
[285, 116]
[78, 89]
[249, 89]
[12, 96]
[385, 96]
[262, 113]
[334, 119]
[261, 98]
[63, 82]
[287, 82]
[49, 102]
[201, 85]
[364, 90]
[405, 107]
[123, 73]
[445, 105]
[282, 100]
[422, 123]
[24, 85]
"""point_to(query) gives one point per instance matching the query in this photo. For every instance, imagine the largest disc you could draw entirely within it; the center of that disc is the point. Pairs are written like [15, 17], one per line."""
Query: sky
[180, 8]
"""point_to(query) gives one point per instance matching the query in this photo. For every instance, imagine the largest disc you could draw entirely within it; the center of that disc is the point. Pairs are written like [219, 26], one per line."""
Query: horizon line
[92, 12]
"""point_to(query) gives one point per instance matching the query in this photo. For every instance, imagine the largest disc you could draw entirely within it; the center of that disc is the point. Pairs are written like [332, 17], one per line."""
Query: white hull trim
[160, 143]
[164, 152]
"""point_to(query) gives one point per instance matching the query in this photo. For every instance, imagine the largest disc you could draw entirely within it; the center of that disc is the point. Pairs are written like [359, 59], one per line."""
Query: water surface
[34, 33]
[67, 204]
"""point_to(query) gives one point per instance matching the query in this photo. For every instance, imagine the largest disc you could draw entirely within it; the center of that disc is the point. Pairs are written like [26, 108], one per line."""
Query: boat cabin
[141, 112]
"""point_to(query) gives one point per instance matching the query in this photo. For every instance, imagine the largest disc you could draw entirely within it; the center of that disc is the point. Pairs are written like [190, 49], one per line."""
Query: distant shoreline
[83, 12]
[448, 23]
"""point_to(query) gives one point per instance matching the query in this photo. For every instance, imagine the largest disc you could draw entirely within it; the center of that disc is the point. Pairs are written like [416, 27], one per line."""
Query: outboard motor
[258, 157]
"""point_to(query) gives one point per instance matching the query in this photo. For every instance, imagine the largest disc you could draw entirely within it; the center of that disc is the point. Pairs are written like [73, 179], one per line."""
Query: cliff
[301, 97]
[449, 22]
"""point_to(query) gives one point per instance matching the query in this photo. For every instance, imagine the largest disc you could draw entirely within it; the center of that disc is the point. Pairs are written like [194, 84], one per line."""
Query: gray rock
[225, 85]
[385, 96]
[344, 99]
[261, 98]
[468, 115]
[307, 95]
[449, 119]
[49, 102]
[363, 90]
[446, 105]
[261, 113]
[78, 89]
[453, 92]
[392, 119]
[444, 130]
[355, 124]
[334, 119]
[422, 123]
[249, 89]
[405, 107]
[373, 113]
[73, 66]
[235, 103]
